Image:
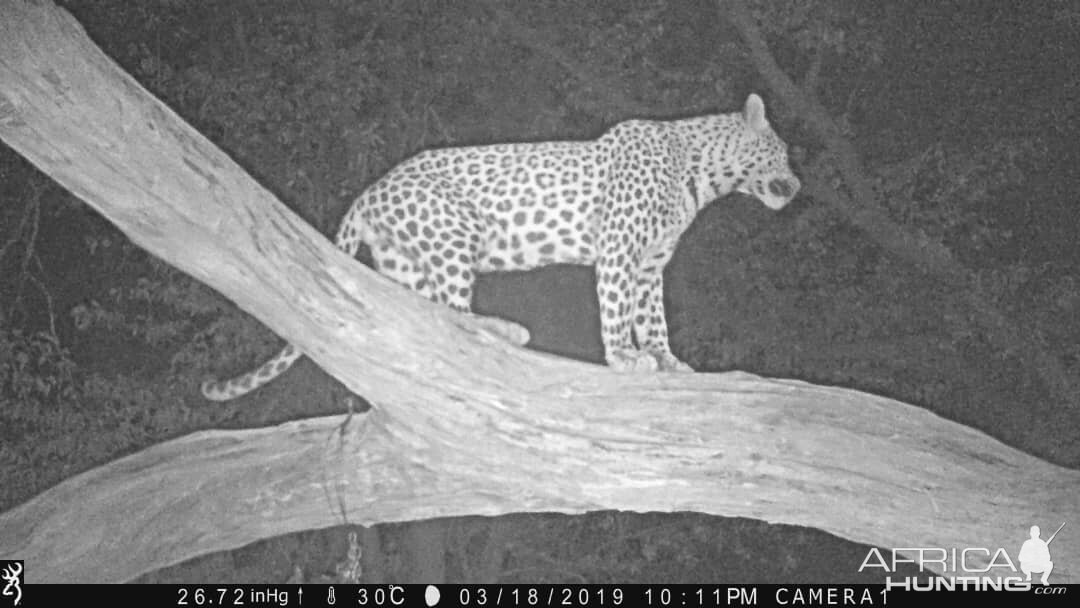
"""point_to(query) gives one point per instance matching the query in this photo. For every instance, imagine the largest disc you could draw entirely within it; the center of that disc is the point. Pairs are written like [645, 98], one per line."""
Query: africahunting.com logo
[969, 568]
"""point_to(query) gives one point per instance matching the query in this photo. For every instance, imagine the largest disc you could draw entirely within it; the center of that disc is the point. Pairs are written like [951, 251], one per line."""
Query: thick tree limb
[464, 423]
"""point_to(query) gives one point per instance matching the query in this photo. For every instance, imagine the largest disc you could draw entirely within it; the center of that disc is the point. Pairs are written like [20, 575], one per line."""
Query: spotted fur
[619, 202]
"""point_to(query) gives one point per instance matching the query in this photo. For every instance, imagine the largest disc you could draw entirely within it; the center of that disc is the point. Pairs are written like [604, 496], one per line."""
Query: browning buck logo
[11, 574]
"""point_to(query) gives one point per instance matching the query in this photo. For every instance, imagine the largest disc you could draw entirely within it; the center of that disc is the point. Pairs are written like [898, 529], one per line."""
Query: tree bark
[463, 422]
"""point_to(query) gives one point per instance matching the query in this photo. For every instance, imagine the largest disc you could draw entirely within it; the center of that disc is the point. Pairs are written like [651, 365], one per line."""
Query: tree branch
[862, 210]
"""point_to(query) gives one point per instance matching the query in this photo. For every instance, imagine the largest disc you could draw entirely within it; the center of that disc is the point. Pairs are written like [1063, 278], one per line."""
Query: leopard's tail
[352, 231]
[242, 385]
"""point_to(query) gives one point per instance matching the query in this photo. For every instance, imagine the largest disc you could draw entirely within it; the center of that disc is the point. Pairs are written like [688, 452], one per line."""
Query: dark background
[964, 113]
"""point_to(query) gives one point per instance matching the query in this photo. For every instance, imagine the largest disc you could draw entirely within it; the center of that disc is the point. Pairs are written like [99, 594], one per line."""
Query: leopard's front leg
[650, 324]
[615, 290]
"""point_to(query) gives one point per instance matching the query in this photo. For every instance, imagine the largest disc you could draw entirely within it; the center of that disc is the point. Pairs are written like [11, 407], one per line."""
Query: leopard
[619, 203]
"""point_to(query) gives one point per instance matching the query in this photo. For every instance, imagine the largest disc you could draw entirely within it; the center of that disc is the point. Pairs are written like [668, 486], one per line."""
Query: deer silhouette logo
[12, 577]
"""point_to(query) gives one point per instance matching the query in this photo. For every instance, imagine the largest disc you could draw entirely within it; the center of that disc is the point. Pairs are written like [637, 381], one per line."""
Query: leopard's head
[761, 159]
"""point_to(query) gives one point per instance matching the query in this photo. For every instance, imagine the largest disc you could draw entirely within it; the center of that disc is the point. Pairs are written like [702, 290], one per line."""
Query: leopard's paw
[669, 363]
[631, 360]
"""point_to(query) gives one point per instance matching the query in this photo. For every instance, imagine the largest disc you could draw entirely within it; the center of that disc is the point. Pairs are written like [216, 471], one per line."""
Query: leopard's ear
[754, 113]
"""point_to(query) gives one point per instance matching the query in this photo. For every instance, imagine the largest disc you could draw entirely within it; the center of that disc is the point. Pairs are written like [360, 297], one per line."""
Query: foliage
[873, 323]
[941, 191]
[824, 27]
[36, 373]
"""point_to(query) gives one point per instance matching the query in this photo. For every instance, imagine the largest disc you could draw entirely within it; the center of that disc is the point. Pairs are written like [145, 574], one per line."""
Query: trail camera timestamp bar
[512, 596]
